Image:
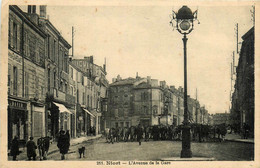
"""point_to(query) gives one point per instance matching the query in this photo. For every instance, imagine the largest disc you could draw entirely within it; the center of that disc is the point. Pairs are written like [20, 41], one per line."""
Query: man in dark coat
[14, 148]
[31, 146]
[63, 144]
[139, 133]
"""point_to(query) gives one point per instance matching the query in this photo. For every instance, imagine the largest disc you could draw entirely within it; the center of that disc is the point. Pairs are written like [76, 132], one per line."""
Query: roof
[58, 33]
[127, 81]
[26, 19]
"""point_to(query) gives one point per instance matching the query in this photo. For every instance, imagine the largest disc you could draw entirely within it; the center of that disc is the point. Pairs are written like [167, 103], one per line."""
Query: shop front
[17, 120]
[89, 122]
[60, 119]
[38, 118]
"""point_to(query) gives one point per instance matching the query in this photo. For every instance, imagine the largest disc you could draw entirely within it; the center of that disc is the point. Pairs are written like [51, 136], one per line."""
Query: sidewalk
[237, 138]
[53, 147]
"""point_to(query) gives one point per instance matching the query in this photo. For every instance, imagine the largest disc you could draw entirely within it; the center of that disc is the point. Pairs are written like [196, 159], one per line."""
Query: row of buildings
[149, 102]
[47, 89]
[243, 98]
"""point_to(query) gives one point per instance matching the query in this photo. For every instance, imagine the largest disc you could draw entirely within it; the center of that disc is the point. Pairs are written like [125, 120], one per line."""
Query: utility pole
[236, 29]
[73, 34]
[231, 67]
[196, 106]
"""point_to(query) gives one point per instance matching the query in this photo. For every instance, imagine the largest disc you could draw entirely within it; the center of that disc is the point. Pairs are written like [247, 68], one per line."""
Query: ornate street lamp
[184, 24]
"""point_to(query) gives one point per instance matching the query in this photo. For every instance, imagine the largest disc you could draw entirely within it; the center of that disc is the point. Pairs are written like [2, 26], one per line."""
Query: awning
[88, 112]
[62, 108]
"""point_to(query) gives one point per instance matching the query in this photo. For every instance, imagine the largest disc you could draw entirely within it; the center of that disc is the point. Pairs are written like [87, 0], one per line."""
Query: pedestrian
[139, 133]
[14, 148]
[63, 144]
[31, 147]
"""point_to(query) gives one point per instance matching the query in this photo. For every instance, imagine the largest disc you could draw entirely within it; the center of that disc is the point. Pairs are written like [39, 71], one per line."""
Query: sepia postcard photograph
[120, 84]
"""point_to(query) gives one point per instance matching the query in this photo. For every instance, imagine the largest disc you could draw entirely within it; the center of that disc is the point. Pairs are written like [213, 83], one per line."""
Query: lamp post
[184, 24]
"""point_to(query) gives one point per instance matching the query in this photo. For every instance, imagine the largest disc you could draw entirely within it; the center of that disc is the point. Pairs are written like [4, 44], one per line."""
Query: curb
[234, 140]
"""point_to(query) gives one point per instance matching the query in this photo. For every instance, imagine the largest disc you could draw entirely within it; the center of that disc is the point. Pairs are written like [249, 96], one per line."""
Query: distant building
[92, 88]
[221, 118]
[243, 98]
[142, 100]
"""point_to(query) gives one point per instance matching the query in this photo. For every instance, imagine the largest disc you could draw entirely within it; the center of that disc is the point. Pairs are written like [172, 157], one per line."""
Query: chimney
[34, 9]
[172, 87]
[137, 75]
[91, 59]
[29, 8]
[105, 64]
[113, 80]
[149, 79]
[180, 89]
[32, 14]
[162, 84]
[43, 11]
[118, 78]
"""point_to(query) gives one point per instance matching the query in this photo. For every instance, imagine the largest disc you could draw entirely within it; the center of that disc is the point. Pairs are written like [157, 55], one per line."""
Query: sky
[140, 39]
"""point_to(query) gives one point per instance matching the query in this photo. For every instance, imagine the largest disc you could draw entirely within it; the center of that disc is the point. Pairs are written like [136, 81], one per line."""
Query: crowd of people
[199, 132]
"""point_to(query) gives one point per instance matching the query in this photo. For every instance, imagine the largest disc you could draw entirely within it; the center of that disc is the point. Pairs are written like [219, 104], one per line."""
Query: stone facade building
[142, 100]
[221, 118]
[46, 91]
[94, 93]
[26, 86]
[243, 98]
[60, 105]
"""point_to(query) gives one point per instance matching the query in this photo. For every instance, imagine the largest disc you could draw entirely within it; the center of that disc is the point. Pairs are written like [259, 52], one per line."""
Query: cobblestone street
[155, 150]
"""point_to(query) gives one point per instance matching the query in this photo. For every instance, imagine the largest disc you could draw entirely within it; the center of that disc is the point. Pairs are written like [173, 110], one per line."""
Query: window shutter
[18, 37]
[11, 33]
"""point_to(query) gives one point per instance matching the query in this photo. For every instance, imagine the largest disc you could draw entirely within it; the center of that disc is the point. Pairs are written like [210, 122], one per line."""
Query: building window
[36, 85]
[145, 110]
[66, 88]
[25, 44]
[54, 79]
[49, 80]
[15, 80]
[116, 113]
[127, 124]
[26, 84]
[155, 110]
[83, 98]
[82, 80]
[48, 40]
[71, 72]
[14, 35]
[54, 50]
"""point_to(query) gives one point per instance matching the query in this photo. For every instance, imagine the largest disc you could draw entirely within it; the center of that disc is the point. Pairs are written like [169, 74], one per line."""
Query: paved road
[155, 150]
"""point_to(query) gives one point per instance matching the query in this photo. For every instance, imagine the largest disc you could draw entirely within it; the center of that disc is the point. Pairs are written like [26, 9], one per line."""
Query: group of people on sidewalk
[43, 144]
